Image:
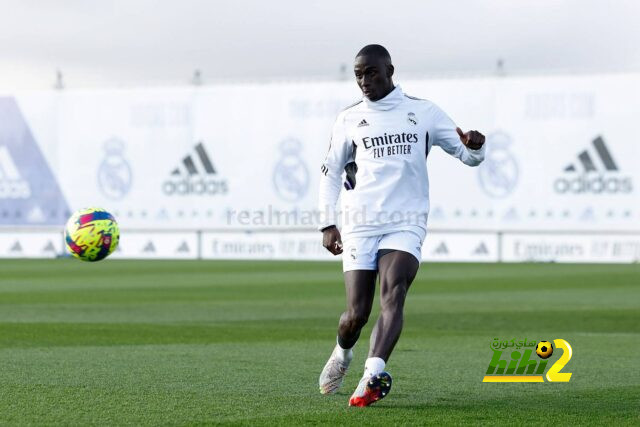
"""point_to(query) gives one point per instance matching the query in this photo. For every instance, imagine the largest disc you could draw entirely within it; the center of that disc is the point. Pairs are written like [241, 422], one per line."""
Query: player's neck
[388, 91]
[387, 102]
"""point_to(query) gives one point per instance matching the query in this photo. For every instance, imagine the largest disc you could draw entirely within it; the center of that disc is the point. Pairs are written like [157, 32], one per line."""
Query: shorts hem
[419, 258]
[346, 268]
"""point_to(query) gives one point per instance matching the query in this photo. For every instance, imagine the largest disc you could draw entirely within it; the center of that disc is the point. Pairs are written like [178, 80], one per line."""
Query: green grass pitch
[183, 343]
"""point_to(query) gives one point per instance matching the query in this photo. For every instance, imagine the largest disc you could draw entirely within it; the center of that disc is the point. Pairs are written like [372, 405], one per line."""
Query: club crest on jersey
[363, 123]
[411, 118]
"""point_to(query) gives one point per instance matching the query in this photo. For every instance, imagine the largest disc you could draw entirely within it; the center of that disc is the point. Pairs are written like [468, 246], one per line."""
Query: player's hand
[473, 139]
[332, 240]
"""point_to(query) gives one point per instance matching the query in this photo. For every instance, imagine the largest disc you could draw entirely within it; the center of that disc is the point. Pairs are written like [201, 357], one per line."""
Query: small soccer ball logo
[544, 349]
[91, 234]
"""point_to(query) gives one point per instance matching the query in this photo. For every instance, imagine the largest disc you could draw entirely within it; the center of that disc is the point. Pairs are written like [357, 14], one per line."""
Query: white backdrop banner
[154, 245]
[593, 248]
[561, 155]
[30, 244]
[461, 247]
[299, 245]
[265, 245]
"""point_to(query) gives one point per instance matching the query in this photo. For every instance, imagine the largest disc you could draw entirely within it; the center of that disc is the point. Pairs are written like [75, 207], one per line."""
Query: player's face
[373, 76]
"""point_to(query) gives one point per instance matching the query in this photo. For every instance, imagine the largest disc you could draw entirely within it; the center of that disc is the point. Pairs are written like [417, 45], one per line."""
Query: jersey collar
[393, 99]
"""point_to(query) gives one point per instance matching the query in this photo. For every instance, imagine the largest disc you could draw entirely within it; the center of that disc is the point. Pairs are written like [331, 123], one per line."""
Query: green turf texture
[193, 343]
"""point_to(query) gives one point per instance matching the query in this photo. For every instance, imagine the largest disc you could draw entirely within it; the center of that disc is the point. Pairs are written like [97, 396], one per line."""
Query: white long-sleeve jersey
[381, 148]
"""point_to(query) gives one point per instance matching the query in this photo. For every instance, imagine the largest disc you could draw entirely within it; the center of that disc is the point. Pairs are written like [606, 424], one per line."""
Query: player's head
[374, 71]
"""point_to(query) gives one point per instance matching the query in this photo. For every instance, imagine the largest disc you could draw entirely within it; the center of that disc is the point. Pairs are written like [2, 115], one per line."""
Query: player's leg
[360, 286]
[397, 266]
[360, 280]
[397, 271]
[398, 262]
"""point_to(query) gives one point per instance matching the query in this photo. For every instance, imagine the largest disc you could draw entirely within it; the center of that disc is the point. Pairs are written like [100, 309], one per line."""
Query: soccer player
[381, 144]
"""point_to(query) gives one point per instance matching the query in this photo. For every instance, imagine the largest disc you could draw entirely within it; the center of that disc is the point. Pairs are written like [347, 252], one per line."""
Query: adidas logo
[601, 177]
[587, 163]
[195, 176]
[27, 183]
[190, 166]
[12, 185]
[363, 123]
[441, 249]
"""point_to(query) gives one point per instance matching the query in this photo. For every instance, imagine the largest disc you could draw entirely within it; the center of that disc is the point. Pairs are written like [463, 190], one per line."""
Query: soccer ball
[91, 234]
[544, 349]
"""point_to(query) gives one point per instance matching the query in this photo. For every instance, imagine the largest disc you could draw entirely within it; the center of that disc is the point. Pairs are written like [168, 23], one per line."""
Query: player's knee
[355, 319]
[359, 319]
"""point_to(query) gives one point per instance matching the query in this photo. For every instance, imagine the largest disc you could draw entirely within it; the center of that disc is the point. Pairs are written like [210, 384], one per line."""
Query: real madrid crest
[412, 119]
[114, 173]
[290, 174]
[498, 174]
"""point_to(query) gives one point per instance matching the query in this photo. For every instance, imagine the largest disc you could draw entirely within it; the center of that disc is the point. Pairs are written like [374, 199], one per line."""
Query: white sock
[373, 366]
[343, 353]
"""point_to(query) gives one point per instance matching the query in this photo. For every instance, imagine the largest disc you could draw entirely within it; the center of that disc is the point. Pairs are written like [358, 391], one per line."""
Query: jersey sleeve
[331, 178]
[447, 138]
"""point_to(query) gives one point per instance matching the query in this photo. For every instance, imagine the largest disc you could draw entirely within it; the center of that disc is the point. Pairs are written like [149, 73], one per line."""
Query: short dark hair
[375, 50]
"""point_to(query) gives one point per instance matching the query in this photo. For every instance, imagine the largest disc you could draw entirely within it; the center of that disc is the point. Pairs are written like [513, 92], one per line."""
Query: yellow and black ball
[544, 349]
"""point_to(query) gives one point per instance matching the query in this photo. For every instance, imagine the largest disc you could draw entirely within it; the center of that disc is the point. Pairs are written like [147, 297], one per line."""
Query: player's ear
[390, 70]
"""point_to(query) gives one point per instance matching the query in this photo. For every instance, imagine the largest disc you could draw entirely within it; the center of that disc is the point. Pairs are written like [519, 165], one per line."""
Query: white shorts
[361, 253]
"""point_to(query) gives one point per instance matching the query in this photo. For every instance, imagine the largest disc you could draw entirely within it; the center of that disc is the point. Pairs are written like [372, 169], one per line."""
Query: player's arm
[467, 146]
[330, 186]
